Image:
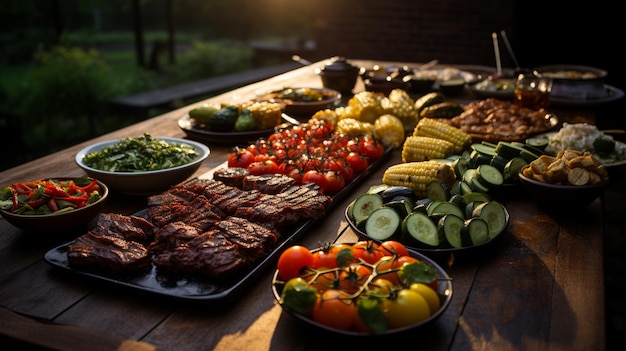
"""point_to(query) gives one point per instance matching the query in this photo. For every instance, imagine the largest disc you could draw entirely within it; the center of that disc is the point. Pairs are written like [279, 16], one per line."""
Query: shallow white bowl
[144, 183]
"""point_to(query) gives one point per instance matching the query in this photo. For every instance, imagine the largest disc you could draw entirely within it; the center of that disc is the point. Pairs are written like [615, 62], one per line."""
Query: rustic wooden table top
[538, 286]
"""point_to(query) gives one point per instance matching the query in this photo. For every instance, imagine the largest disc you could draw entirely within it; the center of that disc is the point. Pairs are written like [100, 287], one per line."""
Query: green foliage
[209, 59]
[67, 90]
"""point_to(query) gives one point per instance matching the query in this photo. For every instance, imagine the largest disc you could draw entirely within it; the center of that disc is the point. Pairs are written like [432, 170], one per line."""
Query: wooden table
[539, 286]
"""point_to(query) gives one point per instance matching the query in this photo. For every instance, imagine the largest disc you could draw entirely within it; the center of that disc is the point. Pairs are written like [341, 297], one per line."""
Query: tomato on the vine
[407, 308]
[357, 162]
[371, 148]
[324, 258]
[334, 181]
[293, 261]
[391, 247]
[368, 251]
[335, 309]
[314, 176]
[263, 167]
[299, 296]
[353, 277]
[240, 158]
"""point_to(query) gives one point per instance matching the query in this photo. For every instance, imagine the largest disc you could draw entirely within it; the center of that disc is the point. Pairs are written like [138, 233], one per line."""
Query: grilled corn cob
[401, 105]
[420, 148]
[365, 106]
[351, 127]
[429, 127]
[417, 175]
[266, 114]
[389, 130]
[327, 115]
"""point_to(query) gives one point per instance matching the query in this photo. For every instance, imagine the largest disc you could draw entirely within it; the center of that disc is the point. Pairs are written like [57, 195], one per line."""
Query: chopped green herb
[141, 154]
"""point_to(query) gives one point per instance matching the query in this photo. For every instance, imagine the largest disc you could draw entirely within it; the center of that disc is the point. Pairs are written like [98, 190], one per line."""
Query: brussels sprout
[245, 121]
[224, 120]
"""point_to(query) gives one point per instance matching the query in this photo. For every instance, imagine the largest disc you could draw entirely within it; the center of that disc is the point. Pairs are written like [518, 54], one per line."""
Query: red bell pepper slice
[52, 205]
[21, 188]
[54, 190]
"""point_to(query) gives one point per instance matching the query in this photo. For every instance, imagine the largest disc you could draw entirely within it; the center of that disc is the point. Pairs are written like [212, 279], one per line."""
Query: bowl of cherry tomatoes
[360, 289]
[53, 204]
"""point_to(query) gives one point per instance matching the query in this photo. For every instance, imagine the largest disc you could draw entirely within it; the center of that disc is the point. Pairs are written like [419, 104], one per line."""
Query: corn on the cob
[417, 175]
[429, 127]
[389, 130]
[366, 106]
[420, 148]
[326, 115]
[352, 128]
[266, 114]
[401, 105]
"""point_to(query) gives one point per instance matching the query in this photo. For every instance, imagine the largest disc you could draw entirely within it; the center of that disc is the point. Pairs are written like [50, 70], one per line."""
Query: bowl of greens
[60, 204]
[142, 165]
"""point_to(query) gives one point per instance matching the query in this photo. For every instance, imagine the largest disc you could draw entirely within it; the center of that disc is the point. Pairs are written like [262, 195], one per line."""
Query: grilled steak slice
[232, 176]
[267, 183]
[107, 252]
[253, 240]
[175, 194]
[180, 249]
[128, 227]
[199, 212]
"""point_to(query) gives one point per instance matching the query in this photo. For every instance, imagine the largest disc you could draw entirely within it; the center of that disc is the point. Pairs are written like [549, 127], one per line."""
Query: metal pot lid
[339, 64]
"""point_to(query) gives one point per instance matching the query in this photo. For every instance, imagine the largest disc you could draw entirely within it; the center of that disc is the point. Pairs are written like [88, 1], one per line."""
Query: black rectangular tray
[193, 288]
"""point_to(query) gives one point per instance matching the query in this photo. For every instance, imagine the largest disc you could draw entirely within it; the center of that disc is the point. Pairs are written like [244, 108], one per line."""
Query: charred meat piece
[180, 248]
[267, 183]
[107, 252]
[231, 176]
[175, 194]
[128, 227]
[199, 211]
[253, 240]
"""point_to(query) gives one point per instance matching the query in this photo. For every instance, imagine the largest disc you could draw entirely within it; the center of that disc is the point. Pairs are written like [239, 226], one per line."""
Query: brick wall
[453, 31]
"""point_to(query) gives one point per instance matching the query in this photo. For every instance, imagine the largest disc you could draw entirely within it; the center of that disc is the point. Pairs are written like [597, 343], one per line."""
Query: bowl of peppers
[53, 204]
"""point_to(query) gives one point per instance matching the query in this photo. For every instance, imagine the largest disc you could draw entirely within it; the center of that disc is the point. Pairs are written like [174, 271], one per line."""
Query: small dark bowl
[419, 84]
[59, 222]
[561, 197]
[452, 87]
[338, 74]
[384, 86]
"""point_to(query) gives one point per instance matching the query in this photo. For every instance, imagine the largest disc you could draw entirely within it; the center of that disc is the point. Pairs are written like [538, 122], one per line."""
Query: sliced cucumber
[476, 196]
[465, 187]
[484, 149]
[383, 223]
[508, 150]
[437, 190]
[478, 158]
[529, 156]
[499, 162]
[402, 207]
[420, 228]
[443, 208]
[451, 227]
[494, 214]
[378, 188]
[512, 169]
[364, 205]
[538, 142]
[477, 230]
[460, 165]
[458, 200]
[397, 190]
[489, 175]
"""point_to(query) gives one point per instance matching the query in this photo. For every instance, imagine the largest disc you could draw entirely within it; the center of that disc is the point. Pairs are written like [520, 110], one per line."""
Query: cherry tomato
[386, 270]
[428, 294]
[368, 251]
[314, 176]
[293, 261]
[324, 281]
[353, 277]
[299, 296]
[335, 309]
[324, 258]
[391, 247]
[408, 308]
[357, 162]
[240, 158]
[263, 167]
[334, 181]
[371, 148]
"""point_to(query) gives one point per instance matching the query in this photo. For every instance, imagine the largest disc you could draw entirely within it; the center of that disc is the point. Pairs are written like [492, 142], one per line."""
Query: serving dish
[294, 99]
[203, 289]
[66, 221]
[230, 138]
[146, 182]
[364, 235]
[606, 162]
[498, 88]
[444, 291]
[612, 94]
[551, 118]
[558, 197]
